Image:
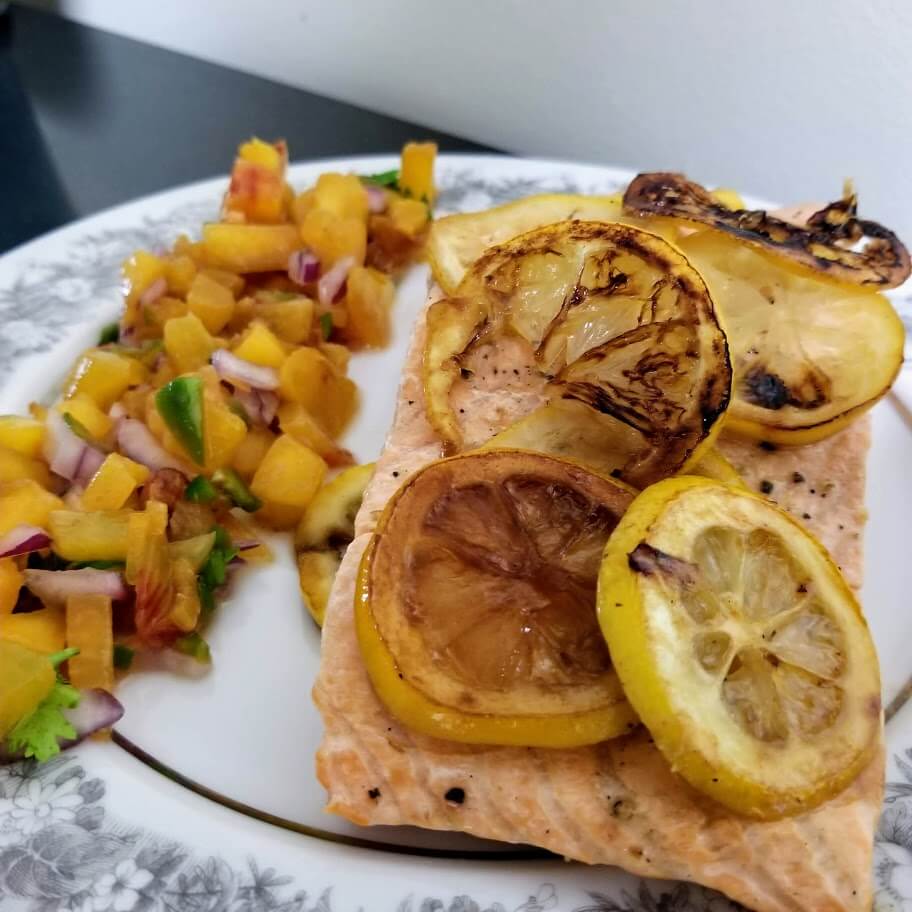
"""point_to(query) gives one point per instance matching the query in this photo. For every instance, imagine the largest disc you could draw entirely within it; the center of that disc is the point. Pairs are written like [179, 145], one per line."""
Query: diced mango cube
[88, 414]
[140, 271]
[164, 309]
[294, 419]
[268, 155]
[43, 631]
[188, 343]
[104, 376]
[10, 584]
[260, 345]
[185, 611]
[304, 377]
[26, 678]
[180, 270]
[332, 237]
[141, 527]
[291, 319]
[90, 629]
[369, 300]
[416, 173]
[339, 405]
[25, 503]
[223, 432]
[231, 280]
[211, 301]
[289, 474]
[410, 216]
[250, 248]
[301, 205]
[279, 516]
[112, 485]
[16, 467]
[24, 435]
[101, 535]
[252, 449]
[338, 355]
[341, 194]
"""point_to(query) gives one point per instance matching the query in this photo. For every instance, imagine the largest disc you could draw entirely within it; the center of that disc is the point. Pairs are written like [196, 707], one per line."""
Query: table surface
[89, 120]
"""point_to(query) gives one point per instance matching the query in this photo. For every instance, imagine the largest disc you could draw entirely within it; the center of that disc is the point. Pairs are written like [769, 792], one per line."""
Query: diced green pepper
[200, 490]
[78, 428]
[180, 403]
[326, 326]
[214, 572]
[231, 484]
[194, 646]
[109, 334]
[123, 656]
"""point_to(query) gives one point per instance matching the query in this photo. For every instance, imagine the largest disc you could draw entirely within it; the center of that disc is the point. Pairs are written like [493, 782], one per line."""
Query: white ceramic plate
[128, 826]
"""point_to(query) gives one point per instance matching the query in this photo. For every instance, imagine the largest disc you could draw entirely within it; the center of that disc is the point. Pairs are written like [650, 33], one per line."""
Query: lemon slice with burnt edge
[810, 354]
[603, 315]
[475, 603]
[456, 241]
[740, 646]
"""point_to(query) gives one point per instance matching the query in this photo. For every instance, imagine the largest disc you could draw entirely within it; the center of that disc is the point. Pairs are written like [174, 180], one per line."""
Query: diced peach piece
[332, 237]
[24, 435]
[180, 271]
[43, 630]
[223, 432]
[90, 629]
[211, 301]
[369, 300]
[10, 584]
[289, 474]
[16, 467]
[250, 248]
[104, 376]
[250, 452]
[341, 194]
[88, 414]
[260, 345]
[188, 343]
[101, 535]
[25, 503]
[416, 173]
[114, 482]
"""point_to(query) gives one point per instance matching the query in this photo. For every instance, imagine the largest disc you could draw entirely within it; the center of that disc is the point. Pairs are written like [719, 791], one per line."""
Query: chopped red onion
[117, 411]
[89, 464]
[331, 286]
[376, 198]
[63, 450]
[260, 405]
[303, 267]
[155, 291]
[236, 370]
[97, 709]
[247, 544]
[53, 587]
[136, 441]
[22, 540]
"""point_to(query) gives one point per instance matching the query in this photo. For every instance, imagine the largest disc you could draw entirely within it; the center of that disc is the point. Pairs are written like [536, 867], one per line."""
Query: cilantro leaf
[384, 178]
[39, 734]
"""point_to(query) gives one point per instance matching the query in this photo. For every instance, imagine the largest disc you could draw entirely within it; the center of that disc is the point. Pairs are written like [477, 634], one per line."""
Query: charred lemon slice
[475, 605]
[810, 354]
[601, 314]
[456, 241]
[740, 646]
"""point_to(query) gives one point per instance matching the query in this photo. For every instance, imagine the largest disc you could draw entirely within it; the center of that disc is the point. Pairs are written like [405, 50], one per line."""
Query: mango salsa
[89, 628]
[24, 435]
[289, 474]
[96, 536]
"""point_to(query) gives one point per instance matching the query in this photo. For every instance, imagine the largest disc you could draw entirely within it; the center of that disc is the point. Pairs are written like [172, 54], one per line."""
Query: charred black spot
[373, 793]
[465, 373]
[766, 487]
[768, 446]
[652, 562]
[765, 389]
[797, 478]
[455, 795]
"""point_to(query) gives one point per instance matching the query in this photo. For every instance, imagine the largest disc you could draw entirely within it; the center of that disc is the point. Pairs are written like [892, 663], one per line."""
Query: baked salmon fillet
[615, 803]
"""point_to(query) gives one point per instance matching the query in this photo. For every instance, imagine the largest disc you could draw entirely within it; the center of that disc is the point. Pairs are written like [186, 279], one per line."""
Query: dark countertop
[89, 119]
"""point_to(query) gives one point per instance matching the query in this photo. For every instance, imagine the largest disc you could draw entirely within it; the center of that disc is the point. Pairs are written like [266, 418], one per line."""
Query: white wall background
[782, 98]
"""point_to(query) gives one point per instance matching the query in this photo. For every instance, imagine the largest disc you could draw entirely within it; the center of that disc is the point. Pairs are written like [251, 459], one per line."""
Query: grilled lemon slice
[602, 314]
[740, 646]
[475, 606]
[325, 531]
[456, 241]
[809, 354]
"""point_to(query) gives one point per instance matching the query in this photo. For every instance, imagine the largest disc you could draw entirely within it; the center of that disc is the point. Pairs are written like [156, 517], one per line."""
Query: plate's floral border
[60, 849]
